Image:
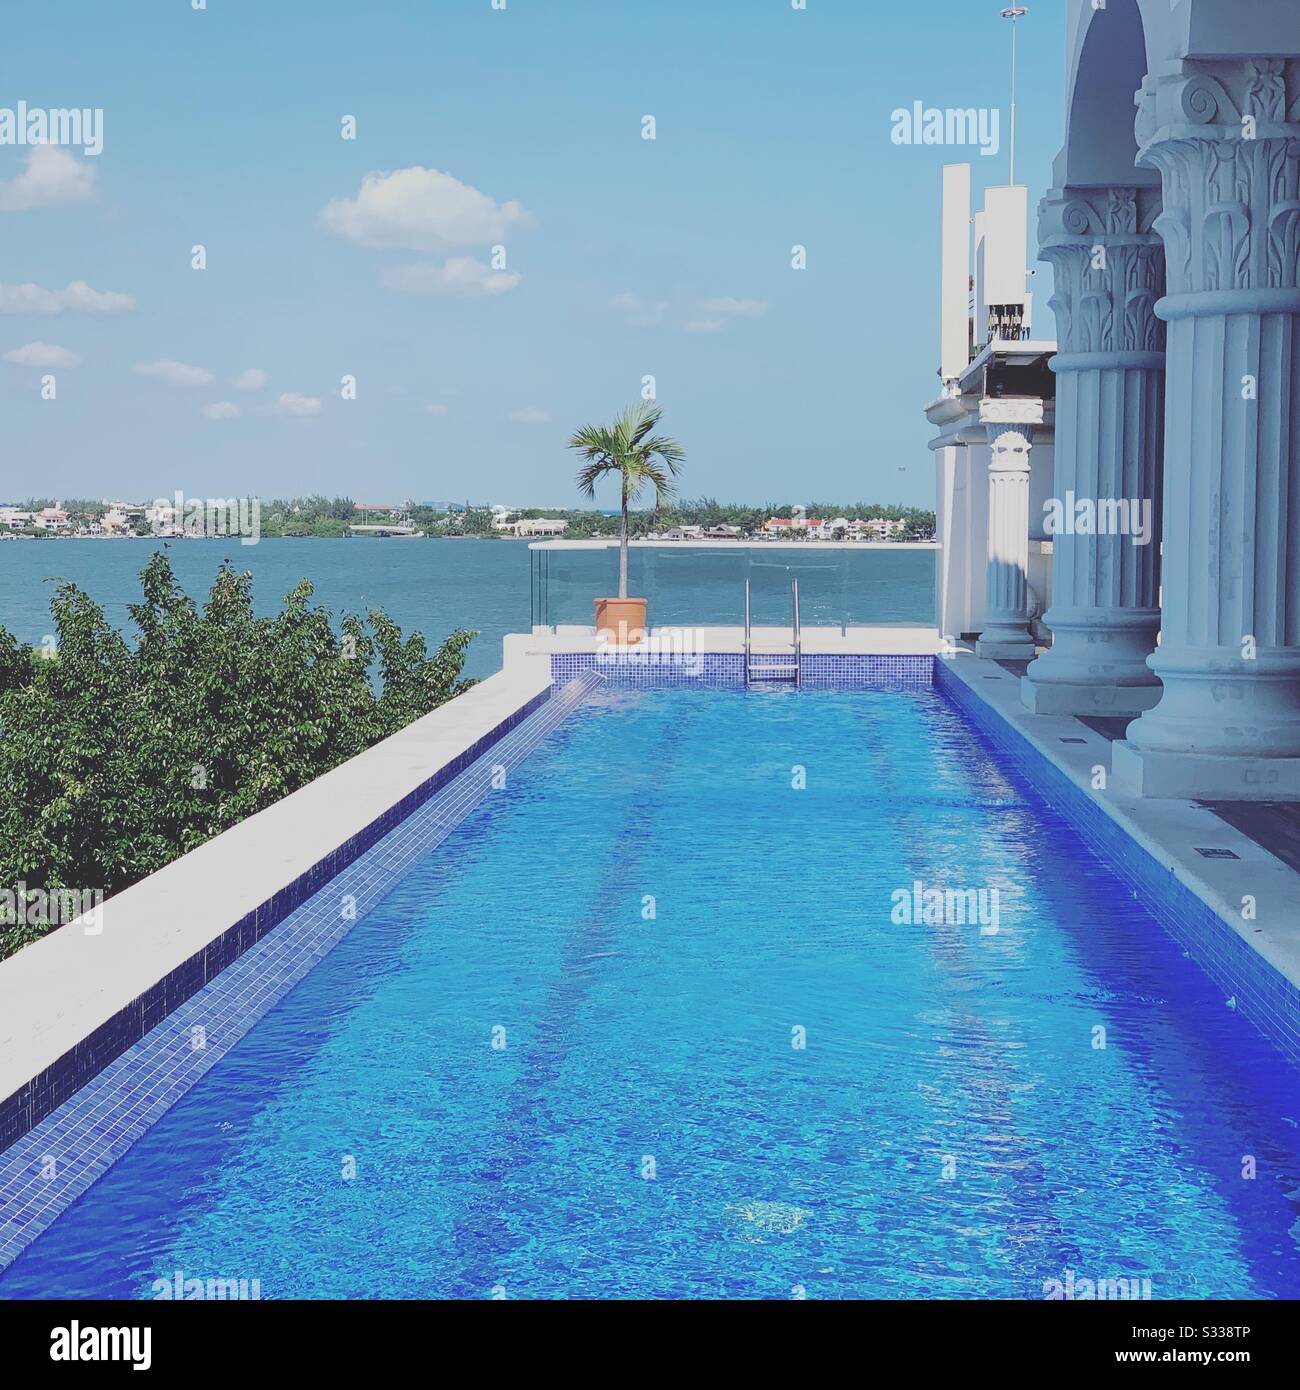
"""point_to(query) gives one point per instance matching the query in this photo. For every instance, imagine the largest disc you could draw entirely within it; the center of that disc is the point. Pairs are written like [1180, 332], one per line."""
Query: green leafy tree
[640, 458]
[116, 759]
[15, 662]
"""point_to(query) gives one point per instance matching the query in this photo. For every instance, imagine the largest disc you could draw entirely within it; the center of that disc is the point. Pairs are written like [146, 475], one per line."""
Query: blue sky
[668, 258]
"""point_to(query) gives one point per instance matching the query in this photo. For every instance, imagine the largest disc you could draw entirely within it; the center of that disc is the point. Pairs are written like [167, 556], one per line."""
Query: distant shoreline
[586, 543]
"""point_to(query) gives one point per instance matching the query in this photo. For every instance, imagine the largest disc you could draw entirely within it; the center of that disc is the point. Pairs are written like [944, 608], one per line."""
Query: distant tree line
[307, 516]
[919, 524]
[327, 517]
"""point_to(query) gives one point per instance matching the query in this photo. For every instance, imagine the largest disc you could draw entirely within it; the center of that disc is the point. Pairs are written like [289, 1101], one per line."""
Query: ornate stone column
[1110, 270]
[1010, 425]
[1226, 140]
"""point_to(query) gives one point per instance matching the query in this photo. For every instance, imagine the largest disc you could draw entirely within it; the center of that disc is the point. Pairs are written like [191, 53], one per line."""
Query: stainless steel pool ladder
[775, 666]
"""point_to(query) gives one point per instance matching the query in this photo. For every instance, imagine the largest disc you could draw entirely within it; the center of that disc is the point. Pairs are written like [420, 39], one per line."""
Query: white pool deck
[1171, 831]
[56, 993]
[59, 990]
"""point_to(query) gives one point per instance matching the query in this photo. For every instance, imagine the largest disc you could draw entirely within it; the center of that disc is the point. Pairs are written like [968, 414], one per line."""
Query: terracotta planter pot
[621, 620]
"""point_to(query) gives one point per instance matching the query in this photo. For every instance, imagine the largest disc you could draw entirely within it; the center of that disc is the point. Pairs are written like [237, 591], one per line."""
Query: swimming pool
[652, 1022]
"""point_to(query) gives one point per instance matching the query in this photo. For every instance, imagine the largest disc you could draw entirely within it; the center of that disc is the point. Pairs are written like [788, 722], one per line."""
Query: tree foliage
[115, 759]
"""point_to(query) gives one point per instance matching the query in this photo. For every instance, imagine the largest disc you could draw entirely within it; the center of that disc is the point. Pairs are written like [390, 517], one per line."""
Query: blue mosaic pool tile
[852, 671]
[134, 1077]
[1264, 995]
[668, 669]
[726, 670]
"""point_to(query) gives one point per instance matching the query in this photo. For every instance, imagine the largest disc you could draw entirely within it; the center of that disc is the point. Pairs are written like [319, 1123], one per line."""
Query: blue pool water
[951, 1128]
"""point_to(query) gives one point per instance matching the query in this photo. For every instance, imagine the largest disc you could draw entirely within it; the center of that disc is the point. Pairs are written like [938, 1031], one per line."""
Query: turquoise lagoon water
[436, 586]
[650, 913]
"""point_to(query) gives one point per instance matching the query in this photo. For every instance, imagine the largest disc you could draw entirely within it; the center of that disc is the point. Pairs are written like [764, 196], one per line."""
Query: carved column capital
[1010, 449]
[1009, 424]
[1109, 269]
[1225, 137]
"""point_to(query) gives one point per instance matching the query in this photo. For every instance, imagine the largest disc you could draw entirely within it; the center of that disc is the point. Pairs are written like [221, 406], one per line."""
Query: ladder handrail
[796, 626]
[747, 632]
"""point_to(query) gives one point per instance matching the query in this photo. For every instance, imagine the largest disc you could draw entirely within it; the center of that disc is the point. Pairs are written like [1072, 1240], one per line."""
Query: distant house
[785, 526]
[682, 533]
[540, 526]
[51, 519]
[15, 516]
[399, 513]
[838, 528]
[722, 533]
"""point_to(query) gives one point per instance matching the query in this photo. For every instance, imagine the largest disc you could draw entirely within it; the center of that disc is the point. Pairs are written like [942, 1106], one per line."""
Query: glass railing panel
[696, 585]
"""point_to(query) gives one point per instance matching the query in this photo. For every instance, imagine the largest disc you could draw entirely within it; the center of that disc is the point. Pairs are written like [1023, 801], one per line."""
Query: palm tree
[629, 449]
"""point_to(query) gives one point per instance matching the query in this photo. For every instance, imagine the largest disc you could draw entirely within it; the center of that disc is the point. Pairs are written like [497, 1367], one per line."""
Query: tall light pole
[1013, 13]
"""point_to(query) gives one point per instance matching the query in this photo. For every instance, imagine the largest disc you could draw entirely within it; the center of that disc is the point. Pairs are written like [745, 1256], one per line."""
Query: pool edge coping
[56, 1162]
[1158, 851]
[74, 1001]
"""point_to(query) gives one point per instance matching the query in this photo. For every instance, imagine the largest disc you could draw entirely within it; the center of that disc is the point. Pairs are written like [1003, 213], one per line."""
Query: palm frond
[667, 449]
[629, 449]
[589, 476]
[593, 440]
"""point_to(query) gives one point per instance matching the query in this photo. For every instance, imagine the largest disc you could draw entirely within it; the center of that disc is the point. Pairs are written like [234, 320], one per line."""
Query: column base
[1006, 637]
[1202, 777]
[1006, 648]
[1118, 700]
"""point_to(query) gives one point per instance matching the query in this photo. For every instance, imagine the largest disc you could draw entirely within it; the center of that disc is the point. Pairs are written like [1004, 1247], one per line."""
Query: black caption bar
[54, 1339]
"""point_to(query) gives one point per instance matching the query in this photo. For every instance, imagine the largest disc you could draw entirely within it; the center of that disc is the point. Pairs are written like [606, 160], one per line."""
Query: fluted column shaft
[1010, 425]
[1109, 272]
[1226, 139]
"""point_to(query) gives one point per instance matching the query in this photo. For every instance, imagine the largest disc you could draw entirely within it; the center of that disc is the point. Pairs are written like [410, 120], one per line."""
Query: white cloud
[690, 313]
[644, 313]
[462, 276]
[42, 355]
[530, 415]
[292, 403]
[420, 209]
[251, 379]
[435, 409]
[736, 308]
[77, 297]
[175, 373]
[54, 178]
[221, 410]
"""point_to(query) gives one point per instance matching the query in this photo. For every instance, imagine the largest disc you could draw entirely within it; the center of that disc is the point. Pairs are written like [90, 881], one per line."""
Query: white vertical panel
[954, 310]
[1006, 243]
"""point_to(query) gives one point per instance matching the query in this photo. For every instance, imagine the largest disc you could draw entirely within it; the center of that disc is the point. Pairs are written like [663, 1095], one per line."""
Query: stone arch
[1111, 53]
